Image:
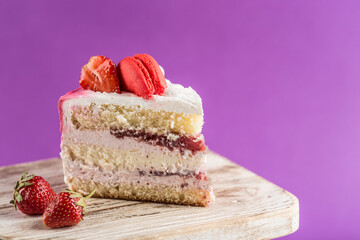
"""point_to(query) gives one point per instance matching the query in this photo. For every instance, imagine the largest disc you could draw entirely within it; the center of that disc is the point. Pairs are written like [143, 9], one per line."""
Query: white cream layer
[87, 173]
[176, 98]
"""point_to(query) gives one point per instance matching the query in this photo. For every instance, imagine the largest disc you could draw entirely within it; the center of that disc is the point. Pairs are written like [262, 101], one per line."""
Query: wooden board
[247, 207]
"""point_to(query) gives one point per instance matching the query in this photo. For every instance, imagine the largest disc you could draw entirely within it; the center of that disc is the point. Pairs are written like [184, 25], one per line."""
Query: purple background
[280, 82]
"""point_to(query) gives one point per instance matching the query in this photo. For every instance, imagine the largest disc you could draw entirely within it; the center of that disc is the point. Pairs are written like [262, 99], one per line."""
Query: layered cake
[133, 135]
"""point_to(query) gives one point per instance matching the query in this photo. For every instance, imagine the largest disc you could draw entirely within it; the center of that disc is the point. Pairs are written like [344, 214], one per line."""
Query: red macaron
[141, 75]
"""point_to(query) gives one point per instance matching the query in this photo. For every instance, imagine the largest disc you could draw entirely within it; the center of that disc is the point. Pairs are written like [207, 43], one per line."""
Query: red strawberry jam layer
[191, 143]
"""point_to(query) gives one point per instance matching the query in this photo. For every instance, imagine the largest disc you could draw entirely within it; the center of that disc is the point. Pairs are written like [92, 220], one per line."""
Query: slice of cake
[143, 143]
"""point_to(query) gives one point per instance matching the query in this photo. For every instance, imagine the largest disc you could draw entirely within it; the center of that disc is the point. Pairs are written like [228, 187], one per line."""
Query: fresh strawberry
[32, 194]
[65, 210]
[100, 74]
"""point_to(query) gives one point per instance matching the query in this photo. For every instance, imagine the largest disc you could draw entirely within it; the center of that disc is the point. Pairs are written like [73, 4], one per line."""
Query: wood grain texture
[246, 207]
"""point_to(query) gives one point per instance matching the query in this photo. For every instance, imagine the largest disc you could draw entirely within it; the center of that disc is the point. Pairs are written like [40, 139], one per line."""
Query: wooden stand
[246, 207]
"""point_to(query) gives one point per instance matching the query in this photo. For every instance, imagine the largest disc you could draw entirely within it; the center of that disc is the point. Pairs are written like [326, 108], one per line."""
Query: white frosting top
[176, 98]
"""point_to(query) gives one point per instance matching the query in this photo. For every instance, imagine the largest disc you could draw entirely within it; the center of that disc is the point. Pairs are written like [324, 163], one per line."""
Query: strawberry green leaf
[24, 175]
[75, 195]
[18, 197]
[81, 203]
[28, 178]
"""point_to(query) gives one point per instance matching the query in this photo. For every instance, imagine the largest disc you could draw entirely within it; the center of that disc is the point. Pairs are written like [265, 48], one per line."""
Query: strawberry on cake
[132, 134]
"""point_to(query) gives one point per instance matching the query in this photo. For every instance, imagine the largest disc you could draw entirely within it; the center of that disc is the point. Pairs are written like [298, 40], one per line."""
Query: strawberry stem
[81, 200]
[89, 196]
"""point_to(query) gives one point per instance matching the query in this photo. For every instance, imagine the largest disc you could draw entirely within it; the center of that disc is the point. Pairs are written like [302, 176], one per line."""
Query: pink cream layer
[142, 177]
